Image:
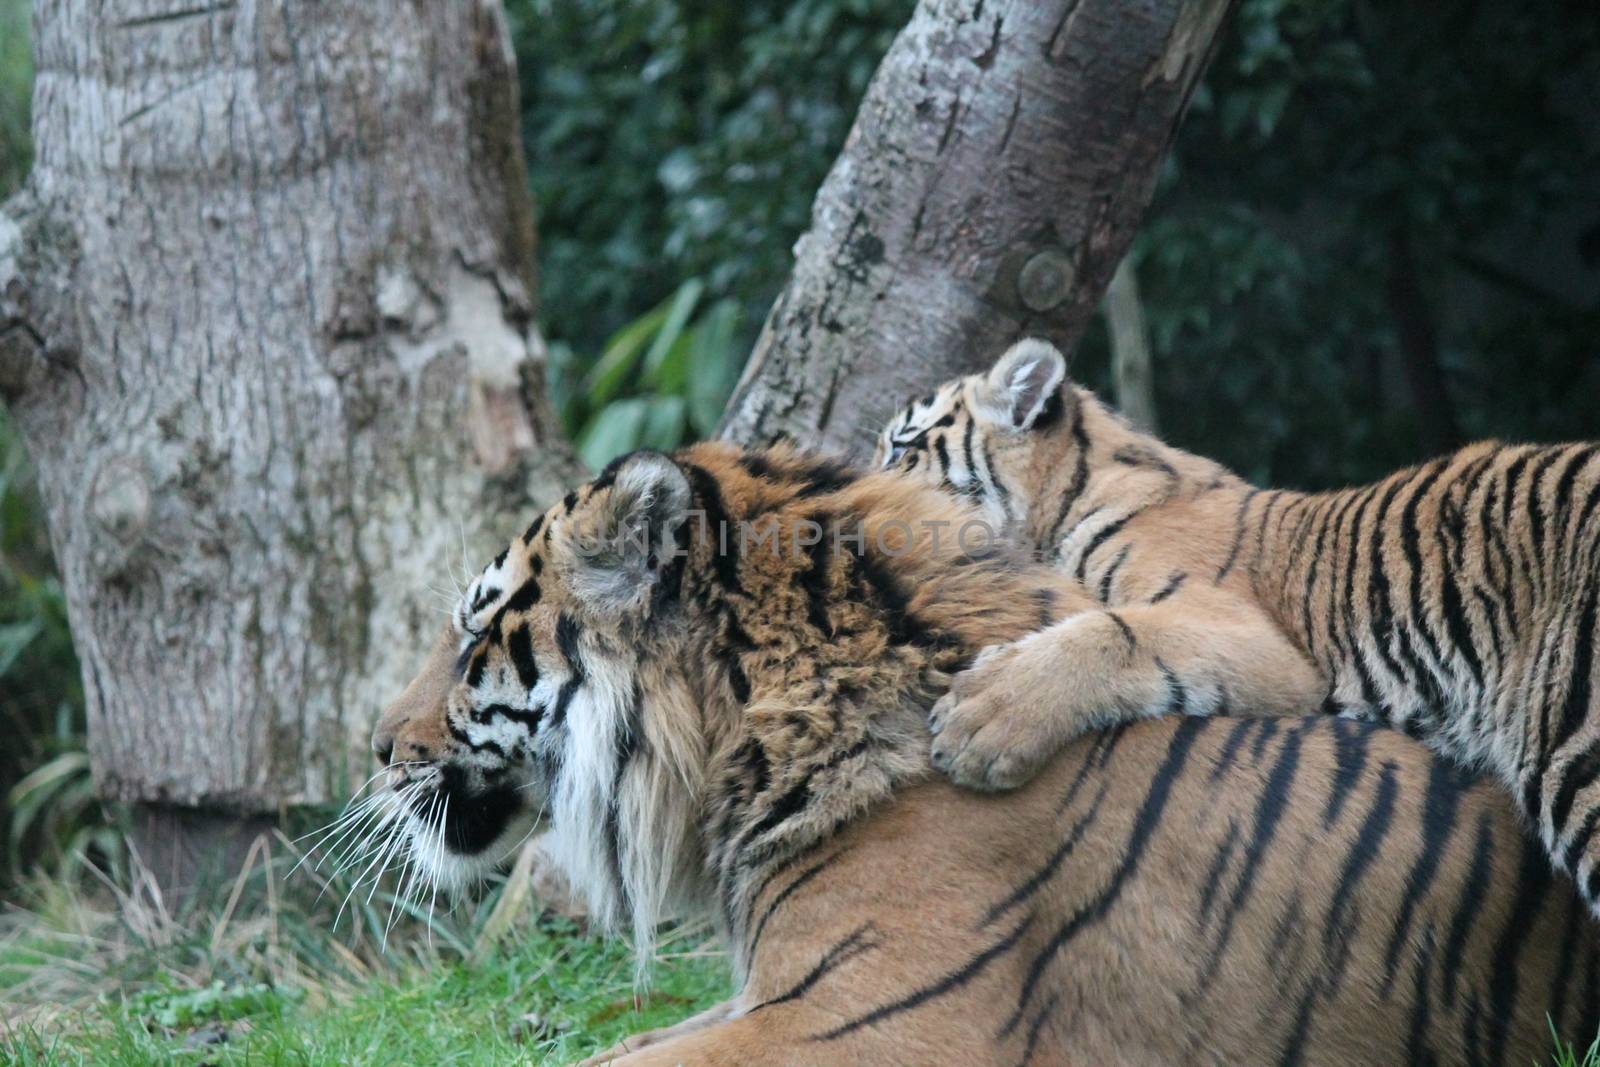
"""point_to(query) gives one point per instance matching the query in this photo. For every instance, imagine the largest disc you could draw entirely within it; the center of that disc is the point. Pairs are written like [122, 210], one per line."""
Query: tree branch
[996, 172]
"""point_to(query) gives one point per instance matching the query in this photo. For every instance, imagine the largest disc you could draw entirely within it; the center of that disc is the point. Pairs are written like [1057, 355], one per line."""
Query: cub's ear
[640, 504]
[1022, 384]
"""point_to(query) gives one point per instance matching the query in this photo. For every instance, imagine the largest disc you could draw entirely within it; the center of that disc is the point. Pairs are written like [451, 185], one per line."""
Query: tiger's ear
[1022, 383]
[641, 503]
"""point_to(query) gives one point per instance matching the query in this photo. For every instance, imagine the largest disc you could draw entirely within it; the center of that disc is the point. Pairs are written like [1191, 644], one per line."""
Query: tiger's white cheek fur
[598, 717]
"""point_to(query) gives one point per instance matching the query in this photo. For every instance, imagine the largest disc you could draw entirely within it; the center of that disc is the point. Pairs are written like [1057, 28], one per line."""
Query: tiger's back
[1306, 891]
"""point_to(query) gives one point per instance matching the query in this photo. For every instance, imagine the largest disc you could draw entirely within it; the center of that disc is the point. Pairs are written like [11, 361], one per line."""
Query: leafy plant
[659, 380]
[669, 139]
[51, 816]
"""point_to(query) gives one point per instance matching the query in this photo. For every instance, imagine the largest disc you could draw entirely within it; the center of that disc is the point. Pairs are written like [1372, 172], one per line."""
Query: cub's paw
[991, 730]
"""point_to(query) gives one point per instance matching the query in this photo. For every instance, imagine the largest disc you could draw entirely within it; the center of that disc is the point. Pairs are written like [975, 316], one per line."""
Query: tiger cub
[1455, 599]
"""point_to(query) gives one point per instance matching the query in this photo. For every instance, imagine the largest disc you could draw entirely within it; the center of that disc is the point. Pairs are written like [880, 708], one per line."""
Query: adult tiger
[1455, 599]
[712, 670]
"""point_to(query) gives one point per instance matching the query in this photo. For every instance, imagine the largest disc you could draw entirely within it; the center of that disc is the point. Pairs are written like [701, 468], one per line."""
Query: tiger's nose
[383, 747]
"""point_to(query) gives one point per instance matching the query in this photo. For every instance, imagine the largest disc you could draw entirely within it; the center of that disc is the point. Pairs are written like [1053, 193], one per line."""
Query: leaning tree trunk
[995, 175]
[266, 322]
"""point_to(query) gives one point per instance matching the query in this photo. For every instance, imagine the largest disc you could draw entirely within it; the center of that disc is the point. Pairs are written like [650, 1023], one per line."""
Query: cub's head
[980, 436]
[546, 692]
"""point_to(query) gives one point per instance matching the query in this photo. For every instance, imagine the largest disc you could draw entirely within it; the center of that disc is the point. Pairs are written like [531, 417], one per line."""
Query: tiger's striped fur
[1455, 599]
[739, 727]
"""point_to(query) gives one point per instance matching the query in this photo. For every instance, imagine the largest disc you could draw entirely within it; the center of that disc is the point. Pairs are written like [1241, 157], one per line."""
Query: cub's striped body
[737, 725]
[1456, 600]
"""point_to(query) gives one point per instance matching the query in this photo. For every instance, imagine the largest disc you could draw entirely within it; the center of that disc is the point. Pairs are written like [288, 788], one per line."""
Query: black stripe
[784, 894]
[1144, 826]
[1327, 515]
[1416, 615]
[1580, 688]
[1036, 1027]
[1080, 472]
[994, 478]
[1355, 655]
[1101, 536]
[1127, 631]
[1572, 936]
[1380, 607]
[625, 745]
[1418, 1051]
[1110, 575]
[1350, 746]
[1440, 804]
[1238, 535]
[1231, 746]
[1036, 881]
[1171, 587]
[1262, 524]
[1576, 774]
[1219, 866]
[1271, 805]
[725, 565]
[1532, 884]
[1536, 513]
[519, 646]
[1177, 693]
[526, 596]
[948, 984]
[1469, 908]
[854, 944]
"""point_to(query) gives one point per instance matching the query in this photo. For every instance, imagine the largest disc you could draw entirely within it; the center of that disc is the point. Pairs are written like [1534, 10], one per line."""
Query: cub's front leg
[1019, 703]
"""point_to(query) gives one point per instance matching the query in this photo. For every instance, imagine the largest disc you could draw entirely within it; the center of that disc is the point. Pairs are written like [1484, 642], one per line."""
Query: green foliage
[668, 139]
[50, 815]
[16, 89]
[661, 379]
[1327, 137]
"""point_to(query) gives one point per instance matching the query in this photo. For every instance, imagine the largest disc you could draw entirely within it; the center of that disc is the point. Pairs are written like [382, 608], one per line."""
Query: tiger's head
[693, 667]
[556, 668]
[986, 437]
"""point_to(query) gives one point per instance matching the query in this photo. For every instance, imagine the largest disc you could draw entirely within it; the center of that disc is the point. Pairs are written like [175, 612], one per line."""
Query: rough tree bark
[996, 172]
[266, 322]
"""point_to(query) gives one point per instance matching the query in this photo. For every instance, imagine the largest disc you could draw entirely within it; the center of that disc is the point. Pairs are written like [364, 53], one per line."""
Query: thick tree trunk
[1132, 376]
[995, 174]
[266, 320]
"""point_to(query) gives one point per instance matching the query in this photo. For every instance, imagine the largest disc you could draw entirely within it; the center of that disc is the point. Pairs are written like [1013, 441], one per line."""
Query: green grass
[266, 969]
[1571, 1056]
[553, 996]
[257, 974]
